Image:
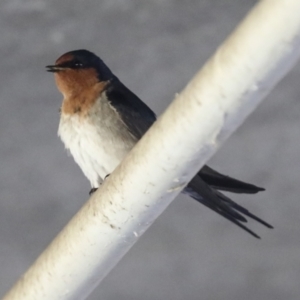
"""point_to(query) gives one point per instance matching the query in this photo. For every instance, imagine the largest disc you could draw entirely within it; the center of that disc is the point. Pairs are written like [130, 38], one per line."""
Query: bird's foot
[92, 191]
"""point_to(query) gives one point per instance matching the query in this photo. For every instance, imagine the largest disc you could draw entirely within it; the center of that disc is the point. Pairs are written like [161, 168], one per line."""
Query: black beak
[53, 69]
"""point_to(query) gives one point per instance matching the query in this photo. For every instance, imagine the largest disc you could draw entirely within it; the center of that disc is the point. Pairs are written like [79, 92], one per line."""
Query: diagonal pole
[216, 101]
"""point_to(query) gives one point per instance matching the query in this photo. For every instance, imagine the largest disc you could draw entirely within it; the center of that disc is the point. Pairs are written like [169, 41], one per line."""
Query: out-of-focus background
[155, 47]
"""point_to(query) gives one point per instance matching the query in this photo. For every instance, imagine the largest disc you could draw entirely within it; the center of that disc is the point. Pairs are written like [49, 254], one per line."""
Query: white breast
[98, 142]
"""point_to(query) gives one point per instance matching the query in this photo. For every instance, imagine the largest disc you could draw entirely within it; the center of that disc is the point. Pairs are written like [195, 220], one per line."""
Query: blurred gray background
[155, 47]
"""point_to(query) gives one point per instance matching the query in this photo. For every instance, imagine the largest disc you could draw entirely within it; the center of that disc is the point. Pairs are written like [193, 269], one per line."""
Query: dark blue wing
[135, 114]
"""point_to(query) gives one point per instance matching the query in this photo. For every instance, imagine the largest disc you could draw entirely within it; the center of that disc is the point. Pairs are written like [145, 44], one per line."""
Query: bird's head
[78, 71]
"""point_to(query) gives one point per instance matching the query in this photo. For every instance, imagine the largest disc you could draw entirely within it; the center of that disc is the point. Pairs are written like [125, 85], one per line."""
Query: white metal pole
[242, 71]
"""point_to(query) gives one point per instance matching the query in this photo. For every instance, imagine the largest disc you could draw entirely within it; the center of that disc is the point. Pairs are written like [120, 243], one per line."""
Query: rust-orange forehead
[86, 76]
[64, 58]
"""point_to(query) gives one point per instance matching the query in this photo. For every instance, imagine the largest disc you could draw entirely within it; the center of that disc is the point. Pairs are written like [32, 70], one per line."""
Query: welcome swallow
[101, 121]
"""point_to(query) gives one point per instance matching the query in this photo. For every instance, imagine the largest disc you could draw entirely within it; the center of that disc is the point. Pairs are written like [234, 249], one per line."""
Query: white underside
[98, 142]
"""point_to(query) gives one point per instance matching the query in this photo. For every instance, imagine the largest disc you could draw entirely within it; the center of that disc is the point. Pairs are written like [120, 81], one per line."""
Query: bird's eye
[77, 64]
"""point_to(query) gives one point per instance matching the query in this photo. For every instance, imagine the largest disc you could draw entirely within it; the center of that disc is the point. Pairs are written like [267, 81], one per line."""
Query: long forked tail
[221, 204]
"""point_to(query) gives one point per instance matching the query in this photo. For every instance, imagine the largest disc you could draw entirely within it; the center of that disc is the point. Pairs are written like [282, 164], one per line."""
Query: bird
[101, 120]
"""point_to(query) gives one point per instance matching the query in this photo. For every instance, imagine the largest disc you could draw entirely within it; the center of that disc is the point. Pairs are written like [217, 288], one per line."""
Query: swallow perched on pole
[101, 121]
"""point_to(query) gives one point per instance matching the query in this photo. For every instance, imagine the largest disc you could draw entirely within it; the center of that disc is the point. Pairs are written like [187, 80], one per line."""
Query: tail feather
[243, 210]
[222, 182]
[229, 217]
